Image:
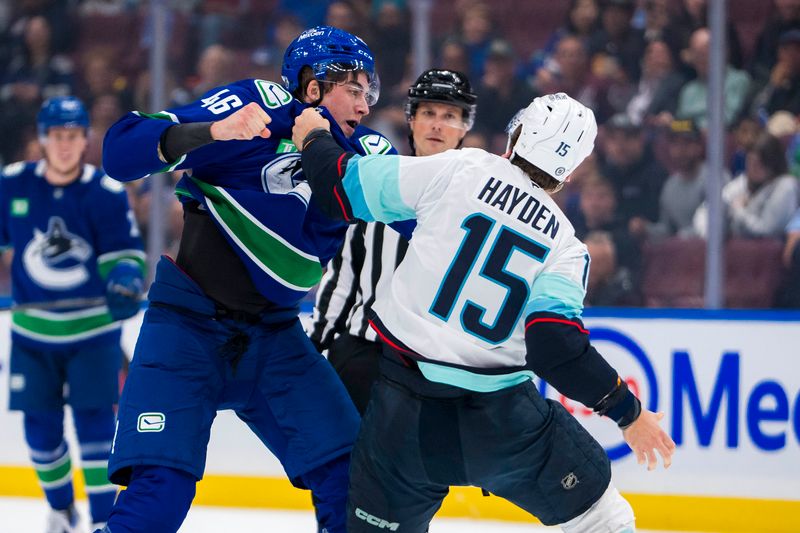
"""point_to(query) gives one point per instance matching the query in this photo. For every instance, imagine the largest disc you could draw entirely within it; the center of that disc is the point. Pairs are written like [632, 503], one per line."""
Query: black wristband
[181, 139]
[620, 405]
[314, 134]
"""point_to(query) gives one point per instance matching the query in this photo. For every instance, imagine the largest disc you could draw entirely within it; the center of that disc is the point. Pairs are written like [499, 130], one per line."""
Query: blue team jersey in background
[65, 240]
[254, 190]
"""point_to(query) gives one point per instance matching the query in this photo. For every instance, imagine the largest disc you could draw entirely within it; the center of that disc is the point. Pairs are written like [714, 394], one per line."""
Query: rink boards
[728, 381]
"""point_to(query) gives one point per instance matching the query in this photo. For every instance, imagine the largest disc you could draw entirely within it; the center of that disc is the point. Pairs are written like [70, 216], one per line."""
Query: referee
[440, 111]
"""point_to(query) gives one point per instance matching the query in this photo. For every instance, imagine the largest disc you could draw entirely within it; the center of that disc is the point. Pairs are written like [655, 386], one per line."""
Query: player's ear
[312, 92]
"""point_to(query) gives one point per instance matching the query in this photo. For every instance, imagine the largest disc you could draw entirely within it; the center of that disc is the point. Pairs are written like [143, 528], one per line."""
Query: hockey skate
[63, 521]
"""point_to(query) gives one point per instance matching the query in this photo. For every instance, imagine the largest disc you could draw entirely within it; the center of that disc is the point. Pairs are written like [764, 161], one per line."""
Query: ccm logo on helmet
[375, 521]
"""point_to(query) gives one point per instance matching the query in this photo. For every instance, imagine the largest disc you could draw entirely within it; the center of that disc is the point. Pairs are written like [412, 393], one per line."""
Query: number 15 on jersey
[516, 287]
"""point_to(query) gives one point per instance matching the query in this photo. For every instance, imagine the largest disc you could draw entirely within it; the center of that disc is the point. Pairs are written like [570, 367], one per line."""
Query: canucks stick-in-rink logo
[55, 259]
[284, 175]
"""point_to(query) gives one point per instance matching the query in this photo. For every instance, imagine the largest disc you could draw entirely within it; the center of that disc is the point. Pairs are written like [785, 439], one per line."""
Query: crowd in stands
[641, 65]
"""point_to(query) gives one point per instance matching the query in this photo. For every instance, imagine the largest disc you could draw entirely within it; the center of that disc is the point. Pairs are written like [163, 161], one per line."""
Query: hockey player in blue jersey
[73, 238]
[222, 328]
[489, 294]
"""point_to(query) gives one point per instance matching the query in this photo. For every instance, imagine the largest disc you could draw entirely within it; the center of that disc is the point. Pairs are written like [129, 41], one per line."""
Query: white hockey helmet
[558, 133]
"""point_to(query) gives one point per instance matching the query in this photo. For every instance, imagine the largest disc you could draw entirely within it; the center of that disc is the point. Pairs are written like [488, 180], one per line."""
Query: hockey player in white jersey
[490, 293]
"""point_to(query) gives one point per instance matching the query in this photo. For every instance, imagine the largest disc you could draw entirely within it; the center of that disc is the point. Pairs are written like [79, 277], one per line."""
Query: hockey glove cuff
[123, 289]
[620, 405]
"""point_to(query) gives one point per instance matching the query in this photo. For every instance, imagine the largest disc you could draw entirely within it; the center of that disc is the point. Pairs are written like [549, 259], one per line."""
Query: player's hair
[536, 174]
[307, 76]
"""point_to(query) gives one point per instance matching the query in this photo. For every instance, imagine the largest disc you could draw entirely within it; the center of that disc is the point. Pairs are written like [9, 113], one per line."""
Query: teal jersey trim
[554, 293]
[355, 194]
[380, 190]
[465, 379]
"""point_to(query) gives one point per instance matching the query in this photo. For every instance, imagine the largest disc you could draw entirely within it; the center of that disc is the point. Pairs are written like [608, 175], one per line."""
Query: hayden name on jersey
[489, 249]
[254, 190]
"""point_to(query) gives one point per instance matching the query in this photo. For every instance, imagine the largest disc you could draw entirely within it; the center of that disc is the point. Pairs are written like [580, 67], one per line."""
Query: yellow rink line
[678, 513]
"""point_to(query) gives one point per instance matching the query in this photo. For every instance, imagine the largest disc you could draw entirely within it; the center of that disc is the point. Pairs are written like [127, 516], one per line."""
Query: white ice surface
[28, 515]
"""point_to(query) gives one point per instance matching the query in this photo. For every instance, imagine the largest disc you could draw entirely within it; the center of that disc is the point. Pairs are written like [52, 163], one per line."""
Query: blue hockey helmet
[63, 111]
[327, 49]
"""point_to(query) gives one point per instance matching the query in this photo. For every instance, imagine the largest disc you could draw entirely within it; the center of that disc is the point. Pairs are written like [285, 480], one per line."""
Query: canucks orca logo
[55, 259]
[282, 174]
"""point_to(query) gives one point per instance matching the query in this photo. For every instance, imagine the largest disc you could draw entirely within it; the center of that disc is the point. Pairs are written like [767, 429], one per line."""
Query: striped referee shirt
[363, 267]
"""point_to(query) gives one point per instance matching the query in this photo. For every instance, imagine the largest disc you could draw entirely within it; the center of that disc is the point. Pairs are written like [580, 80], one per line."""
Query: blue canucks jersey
[254, 190]
[65, 240]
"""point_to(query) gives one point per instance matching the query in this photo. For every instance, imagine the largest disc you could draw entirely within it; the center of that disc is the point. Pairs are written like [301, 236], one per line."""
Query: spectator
[684, 190]
[617, 47]
[745, 134]
[59, 19]
[216, 22]
[632, 168]
[692, 16]
[214, 68]
[568, 198]
[100, 77]
[761, 202]
[657, 19]
[345, 15]
[105, 110]
[582, 21]
[786, 17]
[659, 86]
[609, 284]
[782, 91]
[476, 34]
[393, 39]
[598, 212]
[141, 92]
[570, 73]
[33, 74]
[692, 102]
[453, 55]
[789, 295]
[268, 57]
[498, 85]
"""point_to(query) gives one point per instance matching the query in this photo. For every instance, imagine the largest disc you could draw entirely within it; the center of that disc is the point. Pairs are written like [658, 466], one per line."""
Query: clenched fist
[245, 124]
[308, 120]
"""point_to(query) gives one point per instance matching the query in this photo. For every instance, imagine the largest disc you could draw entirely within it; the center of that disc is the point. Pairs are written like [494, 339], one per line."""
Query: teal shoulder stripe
[465, 379]
[556, 294]
[380, 181]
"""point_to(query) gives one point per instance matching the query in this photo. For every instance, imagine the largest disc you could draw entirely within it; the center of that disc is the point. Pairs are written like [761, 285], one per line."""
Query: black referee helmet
[444, 87]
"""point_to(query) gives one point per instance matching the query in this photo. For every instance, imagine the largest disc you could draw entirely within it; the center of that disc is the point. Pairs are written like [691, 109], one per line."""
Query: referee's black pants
[355, 359]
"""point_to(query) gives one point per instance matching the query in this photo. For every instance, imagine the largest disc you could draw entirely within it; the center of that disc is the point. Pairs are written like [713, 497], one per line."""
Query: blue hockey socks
[156, 500]
[95, 428]
[44, 433]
